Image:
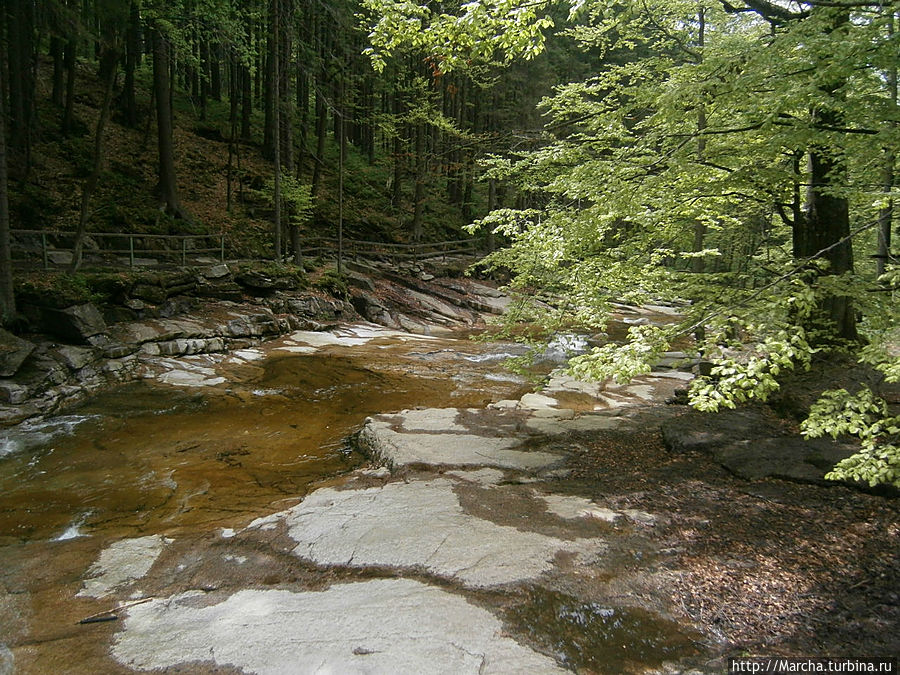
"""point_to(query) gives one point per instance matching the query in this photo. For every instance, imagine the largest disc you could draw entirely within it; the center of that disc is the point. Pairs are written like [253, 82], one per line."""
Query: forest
[738, 159]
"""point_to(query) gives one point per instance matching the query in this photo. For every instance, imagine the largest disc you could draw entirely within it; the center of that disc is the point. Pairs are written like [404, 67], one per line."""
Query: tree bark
[109, 59]
[56, 53]
[698, 265]
[132, 58]
[886, 214]
[827, 236]
[824, 230]
[419, 192]
[168, 191]
[321, 129]
[7, 294]
[246, 102]
[69, 112]
[276, 110]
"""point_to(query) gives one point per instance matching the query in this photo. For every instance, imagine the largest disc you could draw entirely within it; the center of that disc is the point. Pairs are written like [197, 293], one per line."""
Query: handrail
[132, 251]
[396, 250]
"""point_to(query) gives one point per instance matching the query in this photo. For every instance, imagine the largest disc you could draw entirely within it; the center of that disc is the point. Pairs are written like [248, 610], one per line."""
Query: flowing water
[150, 459]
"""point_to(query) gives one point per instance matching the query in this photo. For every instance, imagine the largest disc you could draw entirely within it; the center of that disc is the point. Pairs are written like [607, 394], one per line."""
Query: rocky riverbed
[471, 525]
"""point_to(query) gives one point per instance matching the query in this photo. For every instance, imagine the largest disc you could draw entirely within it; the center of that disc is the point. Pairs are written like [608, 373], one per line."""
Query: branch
[783, 214]
[767, 10]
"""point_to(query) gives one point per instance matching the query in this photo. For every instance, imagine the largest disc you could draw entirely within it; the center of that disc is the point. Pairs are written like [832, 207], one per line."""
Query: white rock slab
[537, 402]
[297, 349]
[570, 507]
[121, 563]
[400, 449]
[390, 626]
[185, 378]
[418, 525]
[248, 354]
[432, 419]
[323, 339]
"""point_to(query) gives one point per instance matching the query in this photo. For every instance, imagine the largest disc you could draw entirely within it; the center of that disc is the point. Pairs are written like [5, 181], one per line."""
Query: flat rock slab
[386, 626]
[415, 437]
[418, 525]
[121, 563]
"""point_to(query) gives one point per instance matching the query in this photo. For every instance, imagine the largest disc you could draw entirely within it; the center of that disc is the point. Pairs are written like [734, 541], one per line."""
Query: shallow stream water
[151, 459]
[148, 458]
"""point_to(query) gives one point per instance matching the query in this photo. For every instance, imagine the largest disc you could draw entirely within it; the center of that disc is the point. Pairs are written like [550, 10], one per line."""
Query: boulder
[77, 323]
[314, 307]
[752, 443]
[256, 280]
[13, 352]
[216, 272]
[358, 280]
[76, 358]
[13, 393]
[220, 289]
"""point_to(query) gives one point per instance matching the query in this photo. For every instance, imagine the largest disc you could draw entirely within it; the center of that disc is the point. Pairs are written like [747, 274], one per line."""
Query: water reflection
[151, 458]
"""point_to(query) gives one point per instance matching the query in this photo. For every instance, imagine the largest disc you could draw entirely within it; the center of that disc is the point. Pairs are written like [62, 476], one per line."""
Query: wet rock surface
[204, 311]
[466, 513]
[416, 563]
[503, 534]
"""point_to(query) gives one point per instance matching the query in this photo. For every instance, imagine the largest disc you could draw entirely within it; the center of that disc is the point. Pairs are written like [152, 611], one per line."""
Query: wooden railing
[395, 251]
[56, 248]
[135, 245]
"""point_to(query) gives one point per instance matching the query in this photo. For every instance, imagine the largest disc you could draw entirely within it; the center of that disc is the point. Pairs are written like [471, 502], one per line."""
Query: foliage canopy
[724, 157]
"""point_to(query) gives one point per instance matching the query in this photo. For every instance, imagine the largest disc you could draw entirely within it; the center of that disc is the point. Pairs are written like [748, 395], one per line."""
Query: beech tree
[748, 121]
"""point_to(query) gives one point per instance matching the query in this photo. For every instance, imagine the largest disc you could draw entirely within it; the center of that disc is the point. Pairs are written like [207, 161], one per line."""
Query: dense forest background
[187, 117]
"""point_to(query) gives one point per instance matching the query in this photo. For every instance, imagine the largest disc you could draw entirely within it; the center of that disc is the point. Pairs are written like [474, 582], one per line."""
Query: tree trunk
[886, 214]
[269, 126]
[22, 59]
[246, 103]
[7, 295]
[203, 74]
[215, 71]
[419, 196]
[698, 265]
[234, 75]
[827, 235]
[276, 110]
[321, 129]
[824, 231]
[109, 59]
[68, 113]
[56, 53]
[286, 99]
[397, 184]
[161, 85]
[132, 58]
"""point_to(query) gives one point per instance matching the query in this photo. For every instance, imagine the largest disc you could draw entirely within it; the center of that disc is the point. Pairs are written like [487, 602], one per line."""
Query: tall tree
[7, 295]
[167, 187]
[110, 53]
